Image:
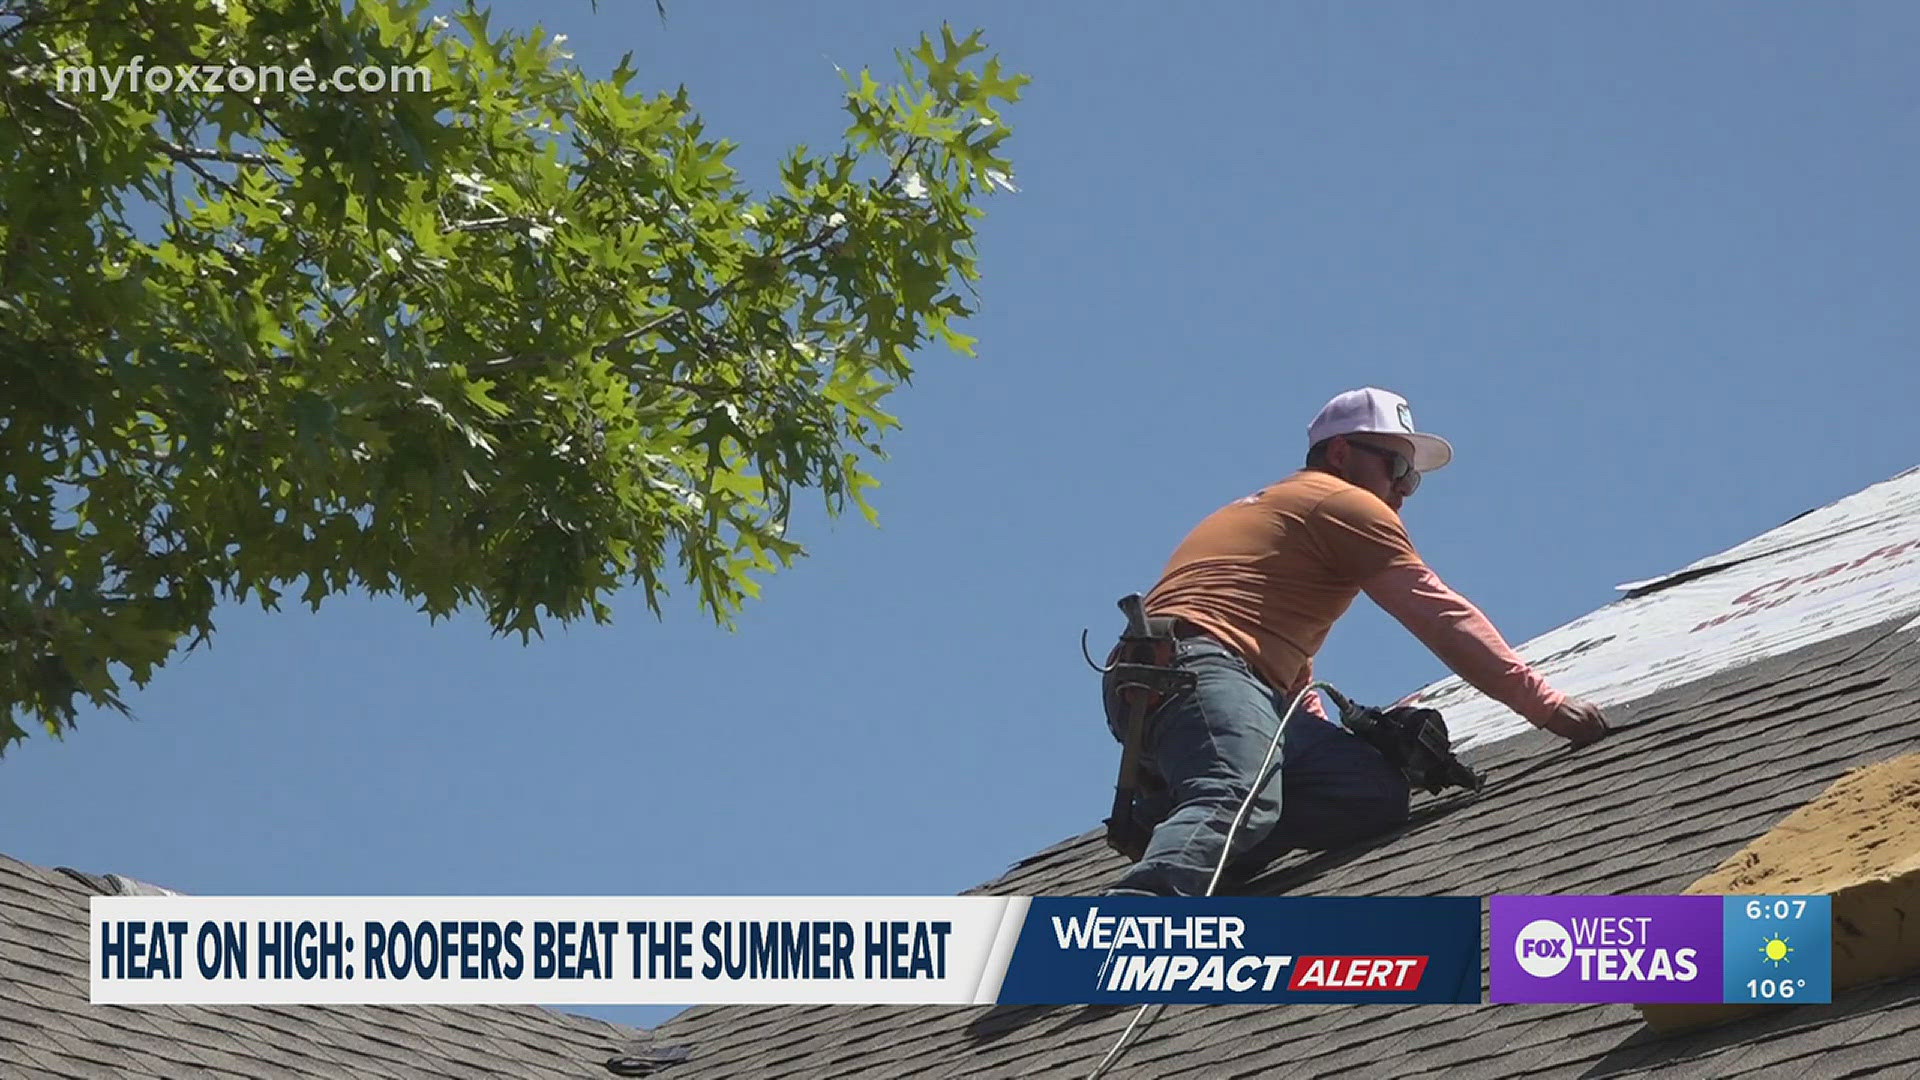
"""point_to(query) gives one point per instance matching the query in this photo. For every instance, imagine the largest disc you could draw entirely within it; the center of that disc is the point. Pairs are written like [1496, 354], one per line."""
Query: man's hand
[1579, 722]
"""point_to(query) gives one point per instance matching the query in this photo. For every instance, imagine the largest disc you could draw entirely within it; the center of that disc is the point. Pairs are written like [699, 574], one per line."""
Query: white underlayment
[1846, 566]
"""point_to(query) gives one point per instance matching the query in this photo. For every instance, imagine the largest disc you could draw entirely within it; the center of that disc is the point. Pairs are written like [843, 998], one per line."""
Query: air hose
[1268, 771]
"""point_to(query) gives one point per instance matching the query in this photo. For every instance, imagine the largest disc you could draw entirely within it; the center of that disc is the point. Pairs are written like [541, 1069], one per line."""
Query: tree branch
[519, 363]
[194, 153]
[201, 171]
[719, 292]
[339, 309]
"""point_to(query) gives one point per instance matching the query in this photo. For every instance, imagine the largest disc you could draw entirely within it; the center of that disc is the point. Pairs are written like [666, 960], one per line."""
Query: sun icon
[1775, 949]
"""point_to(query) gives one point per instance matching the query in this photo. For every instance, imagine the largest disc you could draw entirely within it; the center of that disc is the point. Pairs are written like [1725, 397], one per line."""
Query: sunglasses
[1399, 468]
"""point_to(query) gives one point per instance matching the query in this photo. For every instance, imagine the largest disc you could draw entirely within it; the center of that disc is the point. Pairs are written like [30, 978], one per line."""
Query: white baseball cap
[1370, 410]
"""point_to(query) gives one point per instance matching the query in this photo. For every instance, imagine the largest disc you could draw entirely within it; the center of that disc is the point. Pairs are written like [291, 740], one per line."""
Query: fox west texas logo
[1607, 948]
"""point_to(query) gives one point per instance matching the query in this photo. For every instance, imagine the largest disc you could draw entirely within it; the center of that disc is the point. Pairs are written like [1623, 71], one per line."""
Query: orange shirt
[1269, 574]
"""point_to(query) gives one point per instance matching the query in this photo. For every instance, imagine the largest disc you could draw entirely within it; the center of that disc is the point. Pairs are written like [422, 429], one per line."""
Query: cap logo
[1406, 415]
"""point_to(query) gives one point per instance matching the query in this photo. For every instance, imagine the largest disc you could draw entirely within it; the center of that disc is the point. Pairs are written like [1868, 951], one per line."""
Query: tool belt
[1139, 678]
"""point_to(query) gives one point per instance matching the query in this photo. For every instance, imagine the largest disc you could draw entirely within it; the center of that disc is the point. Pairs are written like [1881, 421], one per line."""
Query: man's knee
[1393, 805]
[1326, 816]
[1379, 796]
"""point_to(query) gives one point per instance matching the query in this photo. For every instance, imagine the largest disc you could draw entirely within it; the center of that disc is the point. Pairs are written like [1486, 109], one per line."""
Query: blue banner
[1246, 950]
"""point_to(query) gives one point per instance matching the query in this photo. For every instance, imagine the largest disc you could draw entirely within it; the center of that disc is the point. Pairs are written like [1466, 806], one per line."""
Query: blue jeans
[1207, 744]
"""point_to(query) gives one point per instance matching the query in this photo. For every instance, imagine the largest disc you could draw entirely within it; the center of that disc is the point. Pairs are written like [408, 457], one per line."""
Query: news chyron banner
[1662, 949]
[972, 950]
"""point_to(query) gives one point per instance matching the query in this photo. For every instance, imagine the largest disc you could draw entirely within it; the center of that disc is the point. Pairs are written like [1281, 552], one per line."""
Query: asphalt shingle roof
[48, 1029]
[1691, 775]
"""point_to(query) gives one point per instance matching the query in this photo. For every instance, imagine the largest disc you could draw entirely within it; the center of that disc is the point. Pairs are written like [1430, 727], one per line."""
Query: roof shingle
[49, 1030]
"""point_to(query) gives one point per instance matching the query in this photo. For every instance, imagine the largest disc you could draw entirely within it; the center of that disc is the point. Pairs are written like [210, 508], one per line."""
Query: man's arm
[1466, 641]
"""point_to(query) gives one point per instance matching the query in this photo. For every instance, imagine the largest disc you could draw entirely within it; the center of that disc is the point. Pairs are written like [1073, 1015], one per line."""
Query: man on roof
[1249, 597]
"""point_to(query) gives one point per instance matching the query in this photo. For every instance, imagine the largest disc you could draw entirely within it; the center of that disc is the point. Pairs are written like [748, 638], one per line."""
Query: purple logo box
[1622, 949]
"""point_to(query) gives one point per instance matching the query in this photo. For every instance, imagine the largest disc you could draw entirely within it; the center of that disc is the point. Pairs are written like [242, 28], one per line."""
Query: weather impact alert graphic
[1662, 949]
[1247, 950]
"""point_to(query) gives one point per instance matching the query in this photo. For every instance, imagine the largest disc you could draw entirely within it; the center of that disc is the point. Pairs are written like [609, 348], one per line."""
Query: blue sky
[1652, 269]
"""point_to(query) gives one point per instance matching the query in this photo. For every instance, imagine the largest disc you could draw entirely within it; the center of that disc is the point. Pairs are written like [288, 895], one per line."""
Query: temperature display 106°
[1778, 949]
